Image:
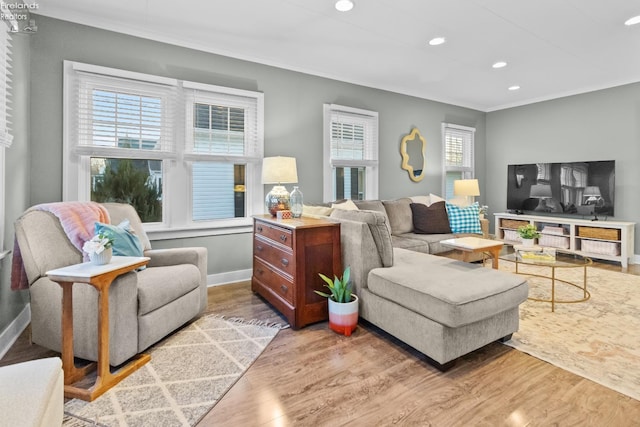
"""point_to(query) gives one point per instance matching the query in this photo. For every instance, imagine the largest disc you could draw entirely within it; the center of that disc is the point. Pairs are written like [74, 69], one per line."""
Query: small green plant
[340, 287]
[528, 231]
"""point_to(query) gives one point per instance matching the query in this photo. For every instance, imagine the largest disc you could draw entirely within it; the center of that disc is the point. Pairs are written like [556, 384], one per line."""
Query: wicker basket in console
[599, 233]
[512, 223]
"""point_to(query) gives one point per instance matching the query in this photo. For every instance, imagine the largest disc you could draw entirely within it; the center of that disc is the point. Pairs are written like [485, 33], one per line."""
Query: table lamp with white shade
[278, 170]
[468, 188]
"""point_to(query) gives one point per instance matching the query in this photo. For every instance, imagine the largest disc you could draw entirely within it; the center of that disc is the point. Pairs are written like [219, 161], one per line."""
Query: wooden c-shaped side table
[100, 277]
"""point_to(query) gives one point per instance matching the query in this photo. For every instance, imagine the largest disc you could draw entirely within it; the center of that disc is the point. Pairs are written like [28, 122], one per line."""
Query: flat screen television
[575, 188]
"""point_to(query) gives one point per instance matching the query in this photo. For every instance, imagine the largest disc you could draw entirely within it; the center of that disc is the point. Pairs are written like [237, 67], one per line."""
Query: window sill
[199, 231]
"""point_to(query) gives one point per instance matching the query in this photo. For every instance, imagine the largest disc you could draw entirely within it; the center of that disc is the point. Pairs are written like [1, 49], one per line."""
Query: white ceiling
[553, 47]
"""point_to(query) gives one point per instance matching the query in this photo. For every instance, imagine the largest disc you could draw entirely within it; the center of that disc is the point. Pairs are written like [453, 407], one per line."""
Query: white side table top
[471, 243]
[86, 270]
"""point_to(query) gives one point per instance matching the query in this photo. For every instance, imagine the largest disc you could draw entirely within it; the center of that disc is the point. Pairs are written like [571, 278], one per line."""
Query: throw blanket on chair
[78, 222]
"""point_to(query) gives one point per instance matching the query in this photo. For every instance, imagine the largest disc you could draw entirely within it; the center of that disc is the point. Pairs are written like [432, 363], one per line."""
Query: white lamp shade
[540, 191]
[466, 187]
[279, 170]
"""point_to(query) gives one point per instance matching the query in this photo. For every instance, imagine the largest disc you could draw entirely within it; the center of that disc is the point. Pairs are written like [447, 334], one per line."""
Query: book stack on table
[536, 253]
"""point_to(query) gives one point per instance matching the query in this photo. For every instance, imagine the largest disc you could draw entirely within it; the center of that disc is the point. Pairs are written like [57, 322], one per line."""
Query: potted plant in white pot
[528, 233]
[99, 248]
[343, 305]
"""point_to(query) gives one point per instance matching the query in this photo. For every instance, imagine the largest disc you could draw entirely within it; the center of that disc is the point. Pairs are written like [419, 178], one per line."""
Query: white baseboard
[635, 259]
[13, 331]
[229, 277]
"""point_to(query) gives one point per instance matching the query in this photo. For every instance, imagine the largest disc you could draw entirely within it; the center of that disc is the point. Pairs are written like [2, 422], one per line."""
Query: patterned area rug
[598, 339]
[188, 373]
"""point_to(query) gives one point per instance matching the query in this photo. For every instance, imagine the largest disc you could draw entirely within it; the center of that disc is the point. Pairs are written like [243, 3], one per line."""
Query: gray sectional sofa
[400, 219]
[442, 307]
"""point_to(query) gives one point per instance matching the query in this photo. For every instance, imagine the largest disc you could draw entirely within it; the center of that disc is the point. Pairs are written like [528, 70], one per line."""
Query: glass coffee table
[563, 260]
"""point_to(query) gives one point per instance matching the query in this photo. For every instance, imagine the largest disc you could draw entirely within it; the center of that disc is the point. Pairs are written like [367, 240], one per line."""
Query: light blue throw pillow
[464, 219]
[125, 242]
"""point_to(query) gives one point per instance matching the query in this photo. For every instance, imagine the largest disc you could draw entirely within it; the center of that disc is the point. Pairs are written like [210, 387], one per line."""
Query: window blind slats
[6, 138]
[458, 155]
[222, 124]
[119, 113]
[213, 195]
[353, 136]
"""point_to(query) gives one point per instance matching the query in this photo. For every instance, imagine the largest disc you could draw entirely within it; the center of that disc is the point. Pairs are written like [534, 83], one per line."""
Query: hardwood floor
[315, 377]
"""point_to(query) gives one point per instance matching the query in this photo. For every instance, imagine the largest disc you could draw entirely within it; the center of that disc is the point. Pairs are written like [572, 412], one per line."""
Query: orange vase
[343, 317]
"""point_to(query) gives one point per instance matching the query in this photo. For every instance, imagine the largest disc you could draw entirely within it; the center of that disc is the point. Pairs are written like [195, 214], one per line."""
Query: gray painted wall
[600, 125]
[293, 116]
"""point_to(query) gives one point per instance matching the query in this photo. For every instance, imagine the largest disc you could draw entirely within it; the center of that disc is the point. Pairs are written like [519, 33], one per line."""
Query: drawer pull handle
[285, 262]
[260, 271]
[283, 237]
[284, 288]
[258, 248]
[259, 228]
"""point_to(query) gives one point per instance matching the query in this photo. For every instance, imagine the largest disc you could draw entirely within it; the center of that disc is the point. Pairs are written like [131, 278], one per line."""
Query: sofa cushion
[407, 241]
[425, 200]
[450, 292]
[159, 286]
[431, 219]
[464, 219]
[370, 205]
[316, 210]
[400, 216]
[377, 223]
[432, 241]
[118, 212]
[346, 205]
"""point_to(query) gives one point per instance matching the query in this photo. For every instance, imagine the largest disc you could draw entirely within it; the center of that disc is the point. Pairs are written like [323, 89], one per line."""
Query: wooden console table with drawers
[608, 240]
[288, 254]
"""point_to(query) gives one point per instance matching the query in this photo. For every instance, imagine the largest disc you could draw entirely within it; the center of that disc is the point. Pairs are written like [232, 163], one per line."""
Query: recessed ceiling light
[632, 21]
[514, 87]
[344, 5]
[499, 64]
[436, 41]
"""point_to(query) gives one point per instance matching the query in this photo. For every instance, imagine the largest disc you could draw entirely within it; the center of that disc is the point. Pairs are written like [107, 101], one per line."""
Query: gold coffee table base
[561, 262]
[553, 299]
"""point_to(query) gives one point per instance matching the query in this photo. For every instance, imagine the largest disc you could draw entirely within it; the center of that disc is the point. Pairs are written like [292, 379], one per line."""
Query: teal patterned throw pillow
[125, 242]
[464, 219]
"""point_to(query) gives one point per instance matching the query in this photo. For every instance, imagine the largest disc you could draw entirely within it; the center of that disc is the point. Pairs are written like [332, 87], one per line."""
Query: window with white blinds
[458, 161]
[351, 153]
[112, 115]
[143, 138]
[224, 143]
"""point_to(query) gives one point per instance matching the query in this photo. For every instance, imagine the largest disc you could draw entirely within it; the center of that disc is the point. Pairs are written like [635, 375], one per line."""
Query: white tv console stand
[608, 240]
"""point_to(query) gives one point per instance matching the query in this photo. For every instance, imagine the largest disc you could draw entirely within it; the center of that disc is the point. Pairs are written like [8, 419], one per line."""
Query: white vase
[102, 258]
[343, 317]
[527, 242]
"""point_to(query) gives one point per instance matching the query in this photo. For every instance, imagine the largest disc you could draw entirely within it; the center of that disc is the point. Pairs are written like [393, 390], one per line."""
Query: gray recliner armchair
[144, 306]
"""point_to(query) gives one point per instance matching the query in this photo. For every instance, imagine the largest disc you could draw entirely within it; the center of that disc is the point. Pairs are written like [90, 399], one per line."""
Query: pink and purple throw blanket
[78, 222]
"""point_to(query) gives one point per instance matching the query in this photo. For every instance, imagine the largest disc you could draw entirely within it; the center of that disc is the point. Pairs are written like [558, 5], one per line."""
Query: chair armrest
[484, 225]
[175, 256]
